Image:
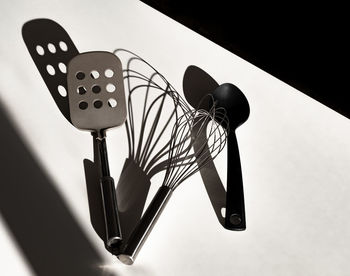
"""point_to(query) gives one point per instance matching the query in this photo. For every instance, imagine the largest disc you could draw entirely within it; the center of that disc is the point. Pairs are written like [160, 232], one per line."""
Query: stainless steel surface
[133, 246]
[81, 85]
[126, 259]
[113, 241]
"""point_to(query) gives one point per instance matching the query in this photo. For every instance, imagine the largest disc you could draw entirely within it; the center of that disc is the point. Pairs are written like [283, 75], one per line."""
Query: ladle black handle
[235, 211]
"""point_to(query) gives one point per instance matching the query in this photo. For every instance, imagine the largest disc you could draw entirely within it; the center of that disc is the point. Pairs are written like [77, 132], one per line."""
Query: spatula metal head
[96, 91]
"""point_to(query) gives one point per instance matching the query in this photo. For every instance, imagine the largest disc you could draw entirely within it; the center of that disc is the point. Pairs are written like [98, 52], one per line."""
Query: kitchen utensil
[197, 83]
[97, 103]
[153, 108]
[182, 164]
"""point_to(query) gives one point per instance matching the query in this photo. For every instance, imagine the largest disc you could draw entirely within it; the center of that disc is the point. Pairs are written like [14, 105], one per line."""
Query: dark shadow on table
[44, 228]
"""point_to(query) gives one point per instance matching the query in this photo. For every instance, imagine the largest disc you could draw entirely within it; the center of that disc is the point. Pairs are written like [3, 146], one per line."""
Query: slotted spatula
[97, 102]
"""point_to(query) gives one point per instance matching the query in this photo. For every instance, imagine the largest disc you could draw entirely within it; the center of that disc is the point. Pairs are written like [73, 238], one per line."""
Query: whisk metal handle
[109, 199]
[145, 226]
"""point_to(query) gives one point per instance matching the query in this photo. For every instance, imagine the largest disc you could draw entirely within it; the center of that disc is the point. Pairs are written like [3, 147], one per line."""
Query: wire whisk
[196, 127]
[154, 106]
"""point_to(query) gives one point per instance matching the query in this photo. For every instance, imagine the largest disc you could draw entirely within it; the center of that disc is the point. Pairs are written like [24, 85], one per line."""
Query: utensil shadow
[45, 230]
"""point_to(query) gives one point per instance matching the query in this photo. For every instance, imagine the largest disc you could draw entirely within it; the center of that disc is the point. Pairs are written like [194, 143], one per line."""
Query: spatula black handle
[109, 198]
[113, 234]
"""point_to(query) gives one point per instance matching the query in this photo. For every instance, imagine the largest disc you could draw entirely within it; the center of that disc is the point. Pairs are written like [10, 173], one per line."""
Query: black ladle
[232, 99]
[196, 84]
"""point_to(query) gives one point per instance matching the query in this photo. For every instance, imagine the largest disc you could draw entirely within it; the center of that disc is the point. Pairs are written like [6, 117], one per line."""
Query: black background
[304, 46]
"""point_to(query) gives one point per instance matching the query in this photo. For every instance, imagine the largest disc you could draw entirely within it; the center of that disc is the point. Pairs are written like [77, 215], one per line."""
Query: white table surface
[295, 152]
